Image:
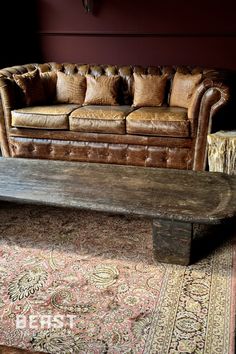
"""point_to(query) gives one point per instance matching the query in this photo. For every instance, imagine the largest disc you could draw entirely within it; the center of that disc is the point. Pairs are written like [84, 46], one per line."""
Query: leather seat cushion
[43, 117]
[159, 121]
[99, 119]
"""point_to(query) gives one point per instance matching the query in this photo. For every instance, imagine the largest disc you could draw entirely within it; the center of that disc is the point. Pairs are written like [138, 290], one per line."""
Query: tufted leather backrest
[125, 72]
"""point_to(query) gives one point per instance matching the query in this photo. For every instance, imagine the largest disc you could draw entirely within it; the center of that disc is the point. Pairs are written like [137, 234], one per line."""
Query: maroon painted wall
[146, 32]
[143, 32]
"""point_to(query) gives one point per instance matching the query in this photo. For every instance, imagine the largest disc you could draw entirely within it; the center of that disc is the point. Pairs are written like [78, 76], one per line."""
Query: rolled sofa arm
[210, 96]
[8, 101]
[6, 105]
[3, 133]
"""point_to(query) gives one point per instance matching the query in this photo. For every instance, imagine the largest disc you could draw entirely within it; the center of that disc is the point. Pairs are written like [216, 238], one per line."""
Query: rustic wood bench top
[180, 196]
[149, 192]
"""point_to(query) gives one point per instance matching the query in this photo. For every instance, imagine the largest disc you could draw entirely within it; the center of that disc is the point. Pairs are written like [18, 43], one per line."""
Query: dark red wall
[147, 32]
[143, 32]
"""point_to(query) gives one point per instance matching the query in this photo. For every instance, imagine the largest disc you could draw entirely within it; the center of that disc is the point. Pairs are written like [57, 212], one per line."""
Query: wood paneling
[169, 16]
[122, 32]
[144, 50]
[139, 32]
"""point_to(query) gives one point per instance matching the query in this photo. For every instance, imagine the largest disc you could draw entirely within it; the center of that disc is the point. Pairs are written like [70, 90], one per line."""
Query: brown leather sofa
[170, 134]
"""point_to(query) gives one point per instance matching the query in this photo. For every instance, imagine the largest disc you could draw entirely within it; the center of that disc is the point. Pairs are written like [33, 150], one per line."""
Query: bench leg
[172, 241]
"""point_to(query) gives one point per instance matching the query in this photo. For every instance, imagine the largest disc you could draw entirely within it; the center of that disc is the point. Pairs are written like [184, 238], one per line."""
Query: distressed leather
[159, 121]
[103, 119]
[128, 139]
[183, 88]
[49, 81]
[126, 154]
[70, 88]
[159, 151]
[102, 90]
[43, 117]
[31, 86]
[149, 90]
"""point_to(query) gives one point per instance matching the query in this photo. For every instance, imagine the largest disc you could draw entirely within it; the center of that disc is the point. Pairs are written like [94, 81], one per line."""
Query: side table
[222, 151]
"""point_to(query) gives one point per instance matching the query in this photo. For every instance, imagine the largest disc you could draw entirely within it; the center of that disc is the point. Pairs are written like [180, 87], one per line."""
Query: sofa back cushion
[126, 74]
[102, 90]
[183, 88]
[149, 90]
[31, 86]
[70, 88]
[49, 81]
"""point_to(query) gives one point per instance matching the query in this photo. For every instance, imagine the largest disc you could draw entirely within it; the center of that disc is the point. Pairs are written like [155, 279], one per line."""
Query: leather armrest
[3, 133]
[208, 98]
[7, 103]
[219, 97]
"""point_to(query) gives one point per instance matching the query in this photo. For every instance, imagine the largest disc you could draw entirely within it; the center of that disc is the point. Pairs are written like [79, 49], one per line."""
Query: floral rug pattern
[84, 282]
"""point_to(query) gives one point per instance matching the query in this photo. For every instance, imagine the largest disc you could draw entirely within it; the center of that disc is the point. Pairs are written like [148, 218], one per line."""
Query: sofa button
[30, 148]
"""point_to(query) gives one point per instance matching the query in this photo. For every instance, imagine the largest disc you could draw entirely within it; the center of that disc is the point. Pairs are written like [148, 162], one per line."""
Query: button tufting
[30, 148]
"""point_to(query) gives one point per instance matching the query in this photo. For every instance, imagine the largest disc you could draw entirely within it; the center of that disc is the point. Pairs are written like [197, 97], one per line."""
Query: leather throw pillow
[70, 88]
[49, 81]
[102, 90]
[149, 90]
[31, 86]
[183, 88]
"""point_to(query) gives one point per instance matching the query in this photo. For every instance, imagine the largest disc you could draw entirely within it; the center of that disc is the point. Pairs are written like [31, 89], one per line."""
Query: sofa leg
[172, 241]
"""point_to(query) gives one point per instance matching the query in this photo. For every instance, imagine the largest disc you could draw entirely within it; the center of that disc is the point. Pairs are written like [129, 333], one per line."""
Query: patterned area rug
[84, 282]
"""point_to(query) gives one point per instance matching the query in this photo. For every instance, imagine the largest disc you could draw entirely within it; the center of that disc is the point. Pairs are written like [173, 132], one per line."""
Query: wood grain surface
[188, 196]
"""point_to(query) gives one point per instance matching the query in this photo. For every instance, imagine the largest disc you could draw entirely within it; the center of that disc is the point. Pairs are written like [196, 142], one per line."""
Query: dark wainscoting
[139, 32]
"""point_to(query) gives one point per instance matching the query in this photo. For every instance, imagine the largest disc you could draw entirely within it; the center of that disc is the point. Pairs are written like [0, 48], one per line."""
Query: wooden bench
[12, 350]
[179, 203]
